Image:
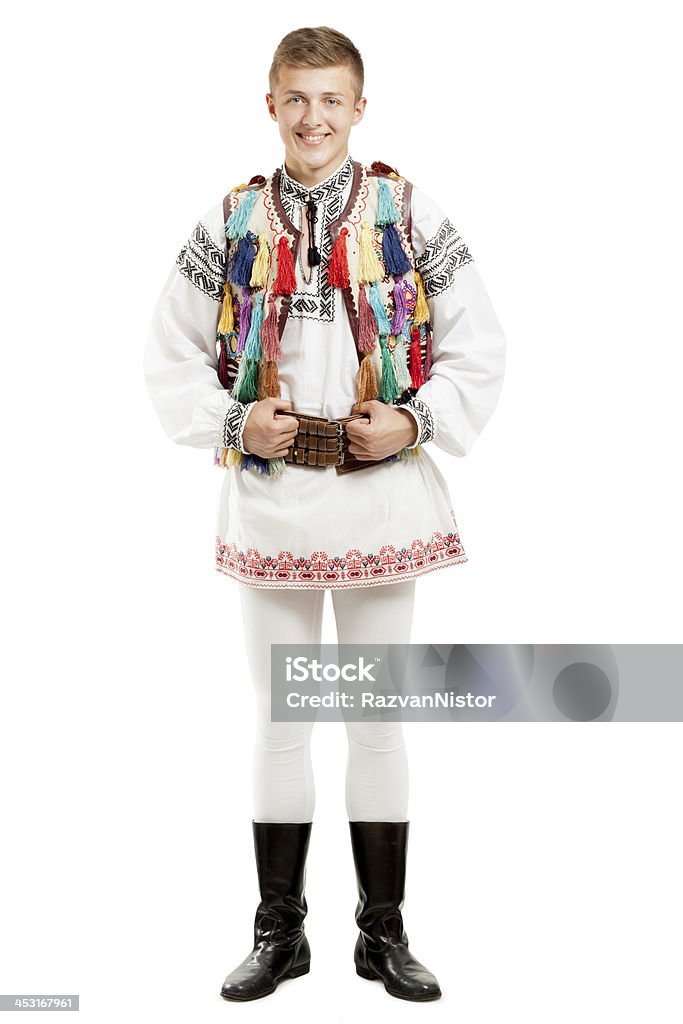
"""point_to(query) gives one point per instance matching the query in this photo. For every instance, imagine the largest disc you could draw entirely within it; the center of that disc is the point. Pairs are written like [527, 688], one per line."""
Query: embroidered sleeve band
[444, 254]
[233, 425]
[423, 416]
[203, 263]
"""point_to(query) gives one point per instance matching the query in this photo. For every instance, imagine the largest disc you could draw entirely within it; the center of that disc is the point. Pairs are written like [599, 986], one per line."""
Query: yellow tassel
[410, 453]
[272, 380]
[369, 267]
[227, 320]
[421, 314]
[366, 382]
[238, 187]
[259, 273]
[230, 457]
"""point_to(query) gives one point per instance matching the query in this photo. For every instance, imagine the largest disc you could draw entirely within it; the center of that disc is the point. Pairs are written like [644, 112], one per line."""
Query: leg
[284, 788]
[284, 798]
[377, 766]
[377, 801]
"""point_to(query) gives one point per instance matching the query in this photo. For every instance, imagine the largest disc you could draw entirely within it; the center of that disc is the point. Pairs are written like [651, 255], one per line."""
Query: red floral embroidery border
[354, 569]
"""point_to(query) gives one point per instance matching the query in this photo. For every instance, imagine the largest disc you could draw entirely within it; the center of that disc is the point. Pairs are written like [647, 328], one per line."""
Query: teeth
[313, 138]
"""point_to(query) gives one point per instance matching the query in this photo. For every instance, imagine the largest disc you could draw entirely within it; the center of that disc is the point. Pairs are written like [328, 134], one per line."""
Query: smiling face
[315, 109]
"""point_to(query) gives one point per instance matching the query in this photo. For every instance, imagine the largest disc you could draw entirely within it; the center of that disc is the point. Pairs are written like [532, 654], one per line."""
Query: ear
[270, 103]
[359, 110]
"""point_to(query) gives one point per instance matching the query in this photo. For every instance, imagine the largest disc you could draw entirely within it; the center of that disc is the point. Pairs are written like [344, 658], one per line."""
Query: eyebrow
[300, 92]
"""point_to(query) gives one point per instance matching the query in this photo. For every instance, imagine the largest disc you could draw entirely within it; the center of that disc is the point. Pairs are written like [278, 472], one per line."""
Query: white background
[544, 868]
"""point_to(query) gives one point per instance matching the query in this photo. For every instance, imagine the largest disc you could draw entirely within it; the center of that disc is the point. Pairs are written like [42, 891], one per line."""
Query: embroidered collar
[324, 191]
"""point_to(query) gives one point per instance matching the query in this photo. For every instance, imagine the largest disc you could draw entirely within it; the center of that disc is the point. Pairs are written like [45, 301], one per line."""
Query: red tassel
[270, 337]
[379, 168]
[285, 282]
[416, 379]
[338, 271]
[223, 364]
[367, 325]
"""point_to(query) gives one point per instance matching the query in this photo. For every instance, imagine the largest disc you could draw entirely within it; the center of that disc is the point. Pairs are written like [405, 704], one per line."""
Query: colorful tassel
[270, 335]
[369, 267]
[367, 325]
[245, 320]
[416, 379]
[378, 308]
[285, 282]
[366, 382]
[395, 258]
[236, 224]
[226, 324]
[259, 273]
[252, 347]
[421, 315]
[243, 260]
[400, 309]
[246, 384]
[390, 389]
[338, 271]
[386, 207]
[401, 364]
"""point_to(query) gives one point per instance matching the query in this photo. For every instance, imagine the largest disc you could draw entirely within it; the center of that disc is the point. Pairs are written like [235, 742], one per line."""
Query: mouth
[312, 138]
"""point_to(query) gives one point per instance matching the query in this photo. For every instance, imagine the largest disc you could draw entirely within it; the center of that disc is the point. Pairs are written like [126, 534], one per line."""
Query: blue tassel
[252, 346]
[250, 461]
[386, 208]
[378, 308]
[244, 260]
[236, 224]
[395, 259]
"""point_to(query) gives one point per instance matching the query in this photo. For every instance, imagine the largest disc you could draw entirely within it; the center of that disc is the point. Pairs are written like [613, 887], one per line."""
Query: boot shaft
[281, 849]
[379, 854]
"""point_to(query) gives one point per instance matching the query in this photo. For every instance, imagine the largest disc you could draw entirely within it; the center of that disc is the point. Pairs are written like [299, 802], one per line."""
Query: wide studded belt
[321, 442]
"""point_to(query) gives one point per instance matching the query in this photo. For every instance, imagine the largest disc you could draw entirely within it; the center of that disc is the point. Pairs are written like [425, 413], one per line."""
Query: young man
[325, 291]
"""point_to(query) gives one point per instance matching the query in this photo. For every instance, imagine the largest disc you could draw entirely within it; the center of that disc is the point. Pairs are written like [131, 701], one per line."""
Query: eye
[294, 98]
[332, 100]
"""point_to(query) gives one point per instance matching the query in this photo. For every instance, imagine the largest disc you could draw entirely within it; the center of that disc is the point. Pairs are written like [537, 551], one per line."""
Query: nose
[312, 119]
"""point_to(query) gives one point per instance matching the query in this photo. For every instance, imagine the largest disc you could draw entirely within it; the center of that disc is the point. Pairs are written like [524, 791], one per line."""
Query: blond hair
[320, 47]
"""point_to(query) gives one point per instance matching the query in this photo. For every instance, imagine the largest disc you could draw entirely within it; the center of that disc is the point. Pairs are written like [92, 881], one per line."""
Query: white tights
[377, 765]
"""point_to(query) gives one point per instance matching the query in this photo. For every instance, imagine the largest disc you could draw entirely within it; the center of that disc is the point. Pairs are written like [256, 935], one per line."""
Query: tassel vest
[372, 262]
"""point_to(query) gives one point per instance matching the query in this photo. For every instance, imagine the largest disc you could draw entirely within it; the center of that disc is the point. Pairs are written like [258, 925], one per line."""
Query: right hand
[266, 434]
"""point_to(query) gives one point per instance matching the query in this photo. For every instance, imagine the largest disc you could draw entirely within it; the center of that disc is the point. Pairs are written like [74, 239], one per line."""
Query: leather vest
[371, 261]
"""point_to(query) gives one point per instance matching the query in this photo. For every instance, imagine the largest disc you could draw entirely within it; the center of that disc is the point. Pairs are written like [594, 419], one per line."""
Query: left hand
[389, 429]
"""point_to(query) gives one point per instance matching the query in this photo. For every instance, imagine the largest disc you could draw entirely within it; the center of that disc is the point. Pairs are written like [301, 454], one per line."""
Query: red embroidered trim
[355, 569]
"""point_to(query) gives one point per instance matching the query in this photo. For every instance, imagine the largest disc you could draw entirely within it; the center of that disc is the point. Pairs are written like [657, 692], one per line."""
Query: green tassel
[403, 380]
[246, 385]
[277, 466]
[386, 208]
[390, 390]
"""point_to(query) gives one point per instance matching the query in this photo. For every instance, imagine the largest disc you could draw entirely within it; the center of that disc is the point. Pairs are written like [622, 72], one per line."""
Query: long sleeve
[180, 359]
[468, 344]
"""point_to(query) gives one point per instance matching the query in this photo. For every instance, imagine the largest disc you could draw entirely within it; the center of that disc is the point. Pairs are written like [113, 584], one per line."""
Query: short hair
[320, 47]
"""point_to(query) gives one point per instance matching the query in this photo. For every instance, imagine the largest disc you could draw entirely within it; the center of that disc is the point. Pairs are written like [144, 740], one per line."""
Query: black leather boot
[381, 953]
[281, 948]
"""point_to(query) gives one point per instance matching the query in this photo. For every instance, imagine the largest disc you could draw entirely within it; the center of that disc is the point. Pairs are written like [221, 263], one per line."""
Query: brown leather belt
[321, 442]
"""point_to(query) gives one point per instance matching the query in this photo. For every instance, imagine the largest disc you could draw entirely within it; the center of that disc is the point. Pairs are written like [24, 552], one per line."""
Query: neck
[309, 178]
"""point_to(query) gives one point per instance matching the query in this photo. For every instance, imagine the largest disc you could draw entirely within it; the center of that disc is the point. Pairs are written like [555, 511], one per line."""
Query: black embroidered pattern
[315, 300]
[424, 417]
[233, 425]
[203, 263]
[444, 254]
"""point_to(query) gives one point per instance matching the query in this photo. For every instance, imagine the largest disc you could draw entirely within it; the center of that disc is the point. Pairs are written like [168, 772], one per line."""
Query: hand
[267, 434]
[389, 429]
